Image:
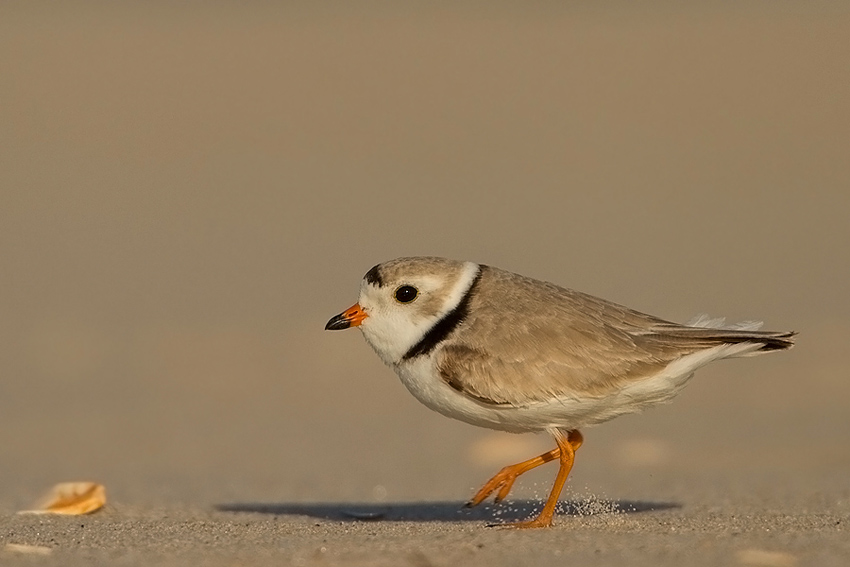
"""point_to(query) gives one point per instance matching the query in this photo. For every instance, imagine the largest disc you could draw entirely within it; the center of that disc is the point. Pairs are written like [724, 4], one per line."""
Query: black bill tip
[337, 323]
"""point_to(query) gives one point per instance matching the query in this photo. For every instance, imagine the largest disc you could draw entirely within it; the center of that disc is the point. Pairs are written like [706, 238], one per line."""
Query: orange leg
[504, 479]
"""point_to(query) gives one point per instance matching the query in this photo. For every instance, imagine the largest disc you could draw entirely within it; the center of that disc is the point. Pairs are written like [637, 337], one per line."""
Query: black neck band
[444, 327]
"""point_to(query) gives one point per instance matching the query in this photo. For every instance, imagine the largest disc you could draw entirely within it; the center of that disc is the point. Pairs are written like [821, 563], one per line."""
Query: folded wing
[542, 341]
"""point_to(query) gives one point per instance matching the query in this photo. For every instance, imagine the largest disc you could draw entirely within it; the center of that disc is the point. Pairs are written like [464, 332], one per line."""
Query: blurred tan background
[188, 194]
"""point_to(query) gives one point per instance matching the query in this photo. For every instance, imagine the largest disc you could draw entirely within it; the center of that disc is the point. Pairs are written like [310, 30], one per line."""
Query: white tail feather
[704, 321]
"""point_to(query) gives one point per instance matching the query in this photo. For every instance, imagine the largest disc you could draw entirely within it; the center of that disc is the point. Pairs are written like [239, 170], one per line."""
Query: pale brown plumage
[555, 342]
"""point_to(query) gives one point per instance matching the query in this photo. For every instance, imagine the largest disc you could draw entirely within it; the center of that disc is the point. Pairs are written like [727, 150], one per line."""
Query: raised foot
[502, 481]
[568, 442]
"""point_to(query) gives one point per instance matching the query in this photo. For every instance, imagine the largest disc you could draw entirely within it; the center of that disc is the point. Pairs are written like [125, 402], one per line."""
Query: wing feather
[526, 341]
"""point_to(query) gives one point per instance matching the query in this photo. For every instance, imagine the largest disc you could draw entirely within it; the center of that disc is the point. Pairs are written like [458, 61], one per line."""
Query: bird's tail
[708, 332]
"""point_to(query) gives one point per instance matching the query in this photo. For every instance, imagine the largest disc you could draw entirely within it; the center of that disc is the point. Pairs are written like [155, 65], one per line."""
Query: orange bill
[351, 317]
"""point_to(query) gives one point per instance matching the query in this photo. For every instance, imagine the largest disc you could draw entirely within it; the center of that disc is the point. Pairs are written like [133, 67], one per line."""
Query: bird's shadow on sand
[513, 511]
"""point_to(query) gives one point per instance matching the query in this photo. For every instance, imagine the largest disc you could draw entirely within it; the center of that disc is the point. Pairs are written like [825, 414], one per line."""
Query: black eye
[406, 294]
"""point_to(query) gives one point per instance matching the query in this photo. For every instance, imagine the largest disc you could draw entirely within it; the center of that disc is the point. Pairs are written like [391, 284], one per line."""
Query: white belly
[422, 379]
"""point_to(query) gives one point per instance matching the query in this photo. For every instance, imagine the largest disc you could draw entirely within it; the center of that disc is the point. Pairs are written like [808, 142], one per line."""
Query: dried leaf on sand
[71, 498]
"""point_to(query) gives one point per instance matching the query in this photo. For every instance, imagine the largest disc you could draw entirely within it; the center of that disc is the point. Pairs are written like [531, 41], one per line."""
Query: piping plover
[507, 352]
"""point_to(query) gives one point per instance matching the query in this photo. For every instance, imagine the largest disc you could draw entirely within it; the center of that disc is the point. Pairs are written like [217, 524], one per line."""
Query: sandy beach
[188, 194]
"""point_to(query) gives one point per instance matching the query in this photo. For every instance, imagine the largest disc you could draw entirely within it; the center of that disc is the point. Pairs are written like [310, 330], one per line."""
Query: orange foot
[505, 478]
[537, 522]
[568, 443]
